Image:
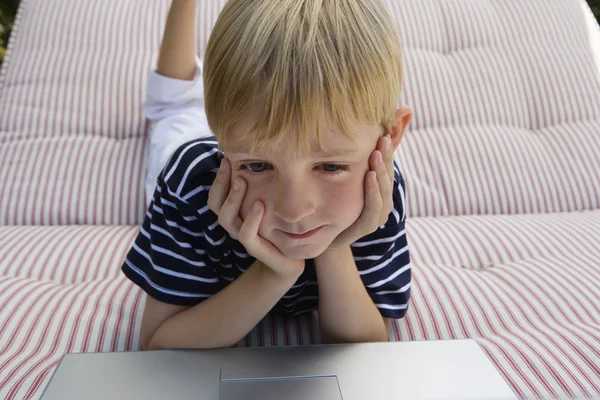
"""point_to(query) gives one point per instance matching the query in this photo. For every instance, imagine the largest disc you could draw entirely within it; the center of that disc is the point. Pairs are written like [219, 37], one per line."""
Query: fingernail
[388, 143]
[223, 166]
[236, 186]
[256, 207]
[379, 158]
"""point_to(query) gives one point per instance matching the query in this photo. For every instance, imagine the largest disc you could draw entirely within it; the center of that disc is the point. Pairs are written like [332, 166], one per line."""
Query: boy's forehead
[335, 151]
[333, 145]
[239, 140]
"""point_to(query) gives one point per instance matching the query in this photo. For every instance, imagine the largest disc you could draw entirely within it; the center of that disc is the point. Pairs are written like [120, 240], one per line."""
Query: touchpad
[293, 388]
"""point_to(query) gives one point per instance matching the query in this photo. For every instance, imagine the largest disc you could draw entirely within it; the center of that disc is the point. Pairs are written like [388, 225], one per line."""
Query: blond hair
[304, 62]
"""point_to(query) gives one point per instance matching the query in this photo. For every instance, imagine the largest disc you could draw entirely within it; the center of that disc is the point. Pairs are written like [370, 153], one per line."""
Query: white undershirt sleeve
[176, 112]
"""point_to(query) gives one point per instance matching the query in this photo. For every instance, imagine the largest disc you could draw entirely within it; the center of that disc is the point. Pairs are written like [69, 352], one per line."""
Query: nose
[294, 200]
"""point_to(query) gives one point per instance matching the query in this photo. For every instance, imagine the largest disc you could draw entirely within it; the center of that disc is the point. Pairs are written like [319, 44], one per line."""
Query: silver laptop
[448, 369]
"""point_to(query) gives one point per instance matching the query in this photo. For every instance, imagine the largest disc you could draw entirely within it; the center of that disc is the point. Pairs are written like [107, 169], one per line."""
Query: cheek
[344, 201]
[340, 202]
[254, 192]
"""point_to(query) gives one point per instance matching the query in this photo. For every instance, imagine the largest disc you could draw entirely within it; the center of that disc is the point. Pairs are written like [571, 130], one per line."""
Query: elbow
[153, 343]
[364, 334]
[375, 337]
[149, 345]
[371, 337]
[357, 339]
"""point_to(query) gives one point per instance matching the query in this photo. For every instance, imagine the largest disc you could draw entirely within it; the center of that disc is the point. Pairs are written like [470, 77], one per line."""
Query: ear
[404, 116]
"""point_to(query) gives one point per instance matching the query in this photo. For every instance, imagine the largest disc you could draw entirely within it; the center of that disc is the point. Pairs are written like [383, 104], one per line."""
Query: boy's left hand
[379, 185]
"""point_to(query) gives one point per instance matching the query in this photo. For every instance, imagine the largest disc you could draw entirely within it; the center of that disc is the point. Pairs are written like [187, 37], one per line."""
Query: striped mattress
[502, 166]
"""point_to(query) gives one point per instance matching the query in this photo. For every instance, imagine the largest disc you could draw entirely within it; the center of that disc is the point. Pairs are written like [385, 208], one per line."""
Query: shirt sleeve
[169, 258]
[383, 259]
[175, 109]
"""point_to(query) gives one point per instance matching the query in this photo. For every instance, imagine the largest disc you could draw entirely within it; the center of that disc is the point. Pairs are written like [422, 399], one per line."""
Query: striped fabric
[485, 77]
[71, 107]
[505, 95]
[543, 334]
[524, 286]
[65, 254]
[505, 146]
[41, 320]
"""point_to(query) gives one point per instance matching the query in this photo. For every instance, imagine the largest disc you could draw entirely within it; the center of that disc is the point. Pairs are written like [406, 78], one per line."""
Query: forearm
[346, 311]
[225, 318]
[177, 57]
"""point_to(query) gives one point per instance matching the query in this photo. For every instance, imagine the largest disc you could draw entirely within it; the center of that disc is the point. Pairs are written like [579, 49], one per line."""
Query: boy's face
[320, 191]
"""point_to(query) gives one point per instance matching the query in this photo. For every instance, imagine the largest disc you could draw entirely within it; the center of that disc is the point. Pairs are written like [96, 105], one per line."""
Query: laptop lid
[446, 370]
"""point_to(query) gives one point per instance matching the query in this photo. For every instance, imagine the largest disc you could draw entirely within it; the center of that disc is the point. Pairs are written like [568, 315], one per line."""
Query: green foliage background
[595, 4]
[8, 10]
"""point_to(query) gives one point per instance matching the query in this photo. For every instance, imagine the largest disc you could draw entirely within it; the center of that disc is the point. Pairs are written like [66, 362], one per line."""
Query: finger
[248, 233]
[220, 187]
[369, 218]
[387, 151]
[257, 246]
[385, 188]
[229, 217]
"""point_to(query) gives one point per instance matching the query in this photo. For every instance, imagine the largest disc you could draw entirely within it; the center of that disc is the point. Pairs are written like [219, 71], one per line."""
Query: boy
[295, 204]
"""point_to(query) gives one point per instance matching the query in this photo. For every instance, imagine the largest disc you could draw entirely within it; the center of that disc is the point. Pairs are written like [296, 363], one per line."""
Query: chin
[300, 253]
[304, 252]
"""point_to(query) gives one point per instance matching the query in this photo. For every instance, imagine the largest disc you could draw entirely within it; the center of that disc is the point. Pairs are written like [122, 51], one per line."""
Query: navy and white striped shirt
[183, 256]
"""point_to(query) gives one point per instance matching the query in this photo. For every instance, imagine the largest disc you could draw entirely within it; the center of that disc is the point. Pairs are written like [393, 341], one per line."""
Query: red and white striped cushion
[40, 321]
[71, 127]
[505, 95]
[65, 254]
[61, 291]
[72, 133]
[524, 286]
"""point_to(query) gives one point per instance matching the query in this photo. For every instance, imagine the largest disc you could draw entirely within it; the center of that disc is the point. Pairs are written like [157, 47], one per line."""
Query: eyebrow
[316, 154]
[336, 153]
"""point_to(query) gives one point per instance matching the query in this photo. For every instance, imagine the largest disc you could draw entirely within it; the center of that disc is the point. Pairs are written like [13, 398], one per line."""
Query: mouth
[303, 235]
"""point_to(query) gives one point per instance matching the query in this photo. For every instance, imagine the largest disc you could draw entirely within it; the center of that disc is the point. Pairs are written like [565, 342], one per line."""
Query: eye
[255, 168]
[335, 168]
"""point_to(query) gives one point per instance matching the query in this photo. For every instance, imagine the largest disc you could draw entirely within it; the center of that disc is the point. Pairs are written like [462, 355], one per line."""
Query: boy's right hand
[226, 201]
